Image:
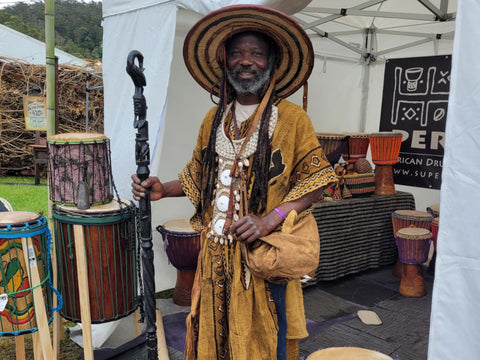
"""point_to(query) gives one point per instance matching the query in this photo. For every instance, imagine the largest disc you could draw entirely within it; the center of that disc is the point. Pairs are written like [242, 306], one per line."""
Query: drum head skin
[413, 232]
[347, 353]
[76, 137]
[16, 217]
[179, 226]
[414, 214]
[112, 206]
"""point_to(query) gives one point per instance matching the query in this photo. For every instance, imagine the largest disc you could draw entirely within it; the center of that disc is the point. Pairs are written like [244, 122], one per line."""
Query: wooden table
[356, 234]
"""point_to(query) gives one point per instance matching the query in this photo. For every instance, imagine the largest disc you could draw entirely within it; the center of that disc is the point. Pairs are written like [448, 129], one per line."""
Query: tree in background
[78, 29]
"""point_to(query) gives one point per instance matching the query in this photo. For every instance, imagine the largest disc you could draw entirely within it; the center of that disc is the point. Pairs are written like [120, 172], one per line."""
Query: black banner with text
[415, 102]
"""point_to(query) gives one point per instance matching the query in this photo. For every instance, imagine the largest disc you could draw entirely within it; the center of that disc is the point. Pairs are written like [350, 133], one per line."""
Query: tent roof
[15, 45]
[372, 29]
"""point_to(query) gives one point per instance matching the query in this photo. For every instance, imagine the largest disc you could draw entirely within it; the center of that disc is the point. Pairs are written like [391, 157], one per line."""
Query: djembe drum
[434, 210]
[332, 145]
[356, 147]
[406, 218]
[385, 148]
[19, 256]
[109, 233]
[347, 353]
[413, 246]
[182, 245]
[80, 161]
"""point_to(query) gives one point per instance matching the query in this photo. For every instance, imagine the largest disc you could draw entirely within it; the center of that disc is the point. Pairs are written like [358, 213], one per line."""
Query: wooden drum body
[77, 161]
[109, 233]
[18, 313]
[182, 245]
[356, 147]
[385, 148]
[413, 247]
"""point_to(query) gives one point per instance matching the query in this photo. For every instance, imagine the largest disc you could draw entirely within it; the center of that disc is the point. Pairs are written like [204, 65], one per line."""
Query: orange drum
[332, 145]
[347, 353]
[356, 147]
[385, 148]
[182, 245]
[406, 218]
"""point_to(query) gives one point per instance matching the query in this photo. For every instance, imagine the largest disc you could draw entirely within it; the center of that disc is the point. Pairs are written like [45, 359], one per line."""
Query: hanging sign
[415, 102]
[34, 109]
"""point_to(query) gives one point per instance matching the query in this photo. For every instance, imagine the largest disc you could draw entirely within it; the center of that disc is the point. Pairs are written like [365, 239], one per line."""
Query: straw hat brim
[202, 45]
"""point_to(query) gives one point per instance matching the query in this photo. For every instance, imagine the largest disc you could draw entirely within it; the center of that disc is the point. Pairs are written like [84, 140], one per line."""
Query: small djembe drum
[332, 145]
[385, 148]
[80, 162]
[356, 147]
[182, 245]
[413, 246]
[25, 255]
[109, 233]
[434, 210]
[407, 218]
[404, 219]
[347, 353]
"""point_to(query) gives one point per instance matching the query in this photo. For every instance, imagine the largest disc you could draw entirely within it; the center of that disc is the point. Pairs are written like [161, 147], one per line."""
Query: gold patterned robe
[232, 319]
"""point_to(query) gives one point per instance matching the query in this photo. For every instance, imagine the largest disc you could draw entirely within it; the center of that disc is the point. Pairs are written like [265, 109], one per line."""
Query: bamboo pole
[50, 64]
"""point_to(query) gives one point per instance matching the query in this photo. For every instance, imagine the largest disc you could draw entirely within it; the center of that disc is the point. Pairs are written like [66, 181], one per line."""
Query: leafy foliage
[78, 29]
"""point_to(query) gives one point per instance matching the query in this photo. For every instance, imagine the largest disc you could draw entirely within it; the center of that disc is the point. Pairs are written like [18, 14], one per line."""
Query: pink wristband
[280, 212]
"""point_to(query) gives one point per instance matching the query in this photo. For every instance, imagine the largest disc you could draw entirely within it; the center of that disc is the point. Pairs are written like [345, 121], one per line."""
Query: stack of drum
[81, 189]
[412, 234]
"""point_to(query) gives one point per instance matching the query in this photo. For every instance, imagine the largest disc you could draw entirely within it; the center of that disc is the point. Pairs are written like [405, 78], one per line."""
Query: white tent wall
[186, 105]
[18, 46]
[335, 97]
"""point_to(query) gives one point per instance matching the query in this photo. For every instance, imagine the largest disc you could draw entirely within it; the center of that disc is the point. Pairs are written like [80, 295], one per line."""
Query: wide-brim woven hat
[203, 46]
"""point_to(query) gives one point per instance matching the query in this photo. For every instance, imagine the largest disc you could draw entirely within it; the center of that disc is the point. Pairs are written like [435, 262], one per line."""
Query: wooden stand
[84, 294]
[42, 344]
[182, 293]
[412, 284]
[384, 184]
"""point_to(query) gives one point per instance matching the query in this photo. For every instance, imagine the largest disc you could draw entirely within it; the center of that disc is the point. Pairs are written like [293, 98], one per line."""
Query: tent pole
[364, 101]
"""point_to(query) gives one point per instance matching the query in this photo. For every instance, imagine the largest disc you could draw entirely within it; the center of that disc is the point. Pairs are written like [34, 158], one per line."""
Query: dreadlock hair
[261, 158]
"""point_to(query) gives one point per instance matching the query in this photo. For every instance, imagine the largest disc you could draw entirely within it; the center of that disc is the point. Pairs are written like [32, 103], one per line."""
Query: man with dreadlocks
[256, 160]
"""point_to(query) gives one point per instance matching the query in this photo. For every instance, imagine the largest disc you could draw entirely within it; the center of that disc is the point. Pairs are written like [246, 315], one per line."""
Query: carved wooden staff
[142, 158]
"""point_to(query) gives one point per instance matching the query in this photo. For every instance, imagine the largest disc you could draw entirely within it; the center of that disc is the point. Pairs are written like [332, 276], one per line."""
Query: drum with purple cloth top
[80, 161]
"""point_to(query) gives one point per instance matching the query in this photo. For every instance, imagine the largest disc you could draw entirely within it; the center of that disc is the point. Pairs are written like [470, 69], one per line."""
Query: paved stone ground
[331, 309]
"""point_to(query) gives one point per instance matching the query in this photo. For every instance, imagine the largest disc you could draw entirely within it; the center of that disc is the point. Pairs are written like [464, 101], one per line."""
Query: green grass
[23, 195]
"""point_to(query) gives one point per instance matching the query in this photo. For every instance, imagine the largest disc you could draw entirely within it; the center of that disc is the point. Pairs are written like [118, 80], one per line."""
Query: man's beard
[245, 87]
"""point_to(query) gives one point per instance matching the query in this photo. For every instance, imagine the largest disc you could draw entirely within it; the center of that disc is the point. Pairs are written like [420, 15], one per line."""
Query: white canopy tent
[346, 72]
[351, 48]
[17, 46]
